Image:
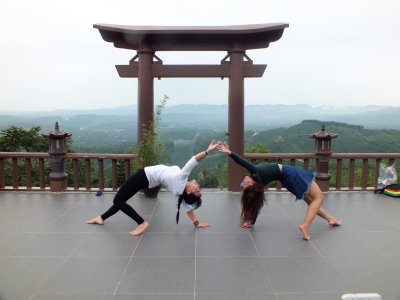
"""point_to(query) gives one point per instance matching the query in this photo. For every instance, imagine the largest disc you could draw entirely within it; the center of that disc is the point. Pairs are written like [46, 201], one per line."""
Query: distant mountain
[120, 110]
[206, 116]
[185, 129]
[351, 138]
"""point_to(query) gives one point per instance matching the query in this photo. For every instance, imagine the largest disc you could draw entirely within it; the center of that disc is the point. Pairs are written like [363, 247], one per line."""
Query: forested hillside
[351, 138]
[115, 129]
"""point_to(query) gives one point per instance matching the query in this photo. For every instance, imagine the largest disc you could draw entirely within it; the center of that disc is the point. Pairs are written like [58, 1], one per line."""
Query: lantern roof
[57, 133]
[323, 134]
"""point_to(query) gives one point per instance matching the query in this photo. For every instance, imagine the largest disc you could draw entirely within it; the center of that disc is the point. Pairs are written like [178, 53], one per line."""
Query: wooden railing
[25, 157]
[38, 164]
[349, 171]
[362, 169]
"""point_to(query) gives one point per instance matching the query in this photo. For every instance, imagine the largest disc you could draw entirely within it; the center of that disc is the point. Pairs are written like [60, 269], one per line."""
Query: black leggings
[128, 189]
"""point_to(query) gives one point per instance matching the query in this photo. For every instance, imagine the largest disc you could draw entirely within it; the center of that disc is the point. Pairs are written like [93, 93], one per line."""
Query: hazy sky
[341, 53]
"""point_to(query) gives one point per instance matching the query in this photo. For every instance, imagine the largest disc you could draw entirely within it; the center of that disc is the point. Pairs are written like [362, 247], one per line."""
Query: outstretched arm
[194, 160]
[192, 216]
[224, 148]
[199, 156]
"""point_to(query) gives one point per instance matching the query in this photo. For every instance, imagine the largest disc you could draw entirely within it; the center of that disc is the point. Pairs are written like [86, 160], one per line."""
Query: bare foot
[334, 222]
[98, 220]
[203, 225]
[139, 229]
[304, 231]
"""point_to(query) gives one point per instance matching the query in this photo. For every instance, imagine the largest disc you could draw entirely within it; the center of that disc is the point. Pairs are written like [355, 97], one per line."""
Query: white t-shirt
[172, 177]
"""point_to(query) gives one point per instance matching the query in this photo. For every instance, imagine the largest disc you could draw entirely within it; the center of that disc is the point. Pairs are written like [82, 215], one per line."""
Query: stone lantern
[57, 151]
[323, 152]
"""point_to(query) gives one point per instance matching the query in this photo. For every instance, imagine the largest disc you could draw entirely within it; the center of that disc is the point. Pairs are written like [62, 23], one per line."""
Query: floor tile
[286, 274]
[277, 223]
[167, 223]
[10, 242]
[384, 242]
[177, 244]
[225, 244]
[61, 244]
[171, 296]
[339, 243]
[309, 296]
[87, 275]
[73, 296]
[367, 274]
[231, 275]
[21, 277]
[26, 223]
[107, 244]
[281, 244]
[159, 275]
[236, 296]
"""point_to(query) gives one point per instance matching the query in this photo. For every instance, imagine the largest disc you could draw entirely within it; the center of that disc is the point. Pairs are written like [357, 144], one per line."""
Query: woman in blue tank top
[299, 182]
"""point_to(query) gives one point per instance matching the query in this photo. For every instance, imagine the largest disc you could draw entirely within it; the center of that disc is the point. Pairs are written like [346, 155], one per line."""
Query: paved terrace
[47, 251]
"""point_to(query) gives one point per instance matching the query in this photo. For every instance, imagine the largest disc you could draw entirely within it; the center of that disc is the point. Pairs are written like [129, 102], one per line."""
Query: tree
[257, 148]
[18, 139]
[150, 152]
[223, 176]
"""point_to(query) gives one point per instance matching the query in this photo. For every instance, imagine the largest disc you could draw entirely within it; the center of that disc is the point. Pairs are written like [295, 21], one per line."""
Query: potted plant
[150, 152]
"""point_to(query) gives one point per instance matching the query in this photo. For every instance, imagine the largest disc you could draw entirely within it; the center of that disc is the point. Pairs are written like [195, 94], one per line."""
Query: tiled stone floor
[48, 252]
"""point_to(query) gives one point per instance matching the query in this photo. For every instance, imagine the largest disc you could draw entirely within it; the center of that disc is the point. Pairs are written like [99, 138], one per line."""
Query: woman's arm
[192, 216]
[199, 156]
[194, 160]
[224, 148]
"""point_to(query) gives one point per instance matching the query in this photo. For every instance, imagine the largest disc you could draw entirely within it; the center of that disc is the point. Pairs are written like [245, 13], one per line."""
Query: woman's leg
[128, 189]
[331, 220]
[316, 199]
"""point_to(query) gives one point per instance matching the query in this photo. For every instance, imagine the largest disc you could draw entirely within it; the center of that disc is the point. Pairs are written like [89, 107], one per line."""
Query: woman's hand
[246, 225]
[196, 222]
[199, 156]
[224, 147]
[211, 147]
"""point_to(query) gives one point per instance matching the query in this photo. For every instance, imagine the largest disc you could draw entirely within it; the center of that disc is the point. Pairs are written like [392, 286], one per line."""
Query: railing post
[57, 151]
[2, 174]
[323, 153]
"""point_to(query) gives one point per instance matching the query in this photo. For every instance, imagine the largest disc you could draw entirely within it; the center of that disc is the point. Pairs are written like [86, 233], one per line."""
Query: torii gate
[235, 40]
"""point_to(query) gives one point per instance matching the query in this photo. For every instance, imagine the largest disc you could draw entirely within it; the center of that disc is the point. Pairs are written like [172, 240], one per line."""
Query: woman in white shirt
[173, 178]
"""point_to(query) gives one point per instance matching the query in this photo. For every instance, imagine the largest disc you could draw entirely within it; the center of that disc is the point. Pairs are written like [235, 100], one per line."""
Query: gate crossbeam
[193, 71]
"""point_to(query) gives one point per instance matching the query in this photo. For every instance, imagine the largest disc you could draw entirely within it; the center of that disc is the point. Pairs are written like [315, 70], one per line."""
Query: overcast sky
[341, 53]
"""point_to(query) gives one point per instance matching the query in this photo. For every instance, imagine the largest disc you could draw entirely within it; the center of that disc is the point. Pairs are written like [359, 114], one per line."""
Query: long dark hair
[252, 201]
[189, 199]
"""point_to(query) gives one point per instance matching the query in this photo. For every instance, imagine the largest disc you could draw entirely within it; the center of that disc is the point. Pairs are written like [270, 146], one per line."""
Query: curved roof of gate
[192, 38]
